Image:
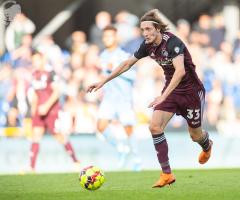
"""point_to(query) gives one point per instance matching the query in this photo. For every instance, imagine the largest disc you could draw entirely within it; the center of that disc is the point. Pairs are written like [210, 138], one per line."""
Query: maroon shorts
[189, 105]
[48, 121]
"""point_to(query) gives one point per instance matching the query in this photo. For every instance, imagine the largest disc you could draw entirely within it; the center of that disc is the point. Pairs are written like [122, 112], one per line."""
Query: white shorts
[121, 111]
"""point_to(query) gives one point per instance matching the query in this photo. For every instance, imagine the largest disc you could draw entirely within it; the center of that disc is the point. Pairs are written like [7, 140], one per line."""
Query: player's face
[149, 32]
[109, 38]
[38, 61]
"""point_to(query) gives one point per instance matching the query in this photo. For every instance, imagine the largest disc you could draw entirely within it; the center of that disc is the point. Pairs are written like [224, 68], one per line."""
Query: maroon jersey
[41, 83]
[170, 47]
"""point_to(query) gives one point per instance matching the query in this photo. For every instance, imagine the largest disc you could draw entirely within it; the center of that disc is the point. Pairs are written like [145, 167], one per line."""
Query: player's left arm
[54, 96]
[178, 63]
[130, 75]
[44, 108]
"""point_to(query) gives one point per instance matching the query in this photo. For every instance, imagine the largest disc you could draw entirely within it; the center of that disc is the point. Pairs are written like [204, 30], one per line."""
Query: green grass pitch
[190, 185]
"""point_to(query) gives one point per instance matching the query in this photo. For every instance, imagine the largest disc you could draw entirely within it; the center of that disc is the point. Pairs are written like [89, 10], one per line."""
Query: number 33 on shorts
[193, 114]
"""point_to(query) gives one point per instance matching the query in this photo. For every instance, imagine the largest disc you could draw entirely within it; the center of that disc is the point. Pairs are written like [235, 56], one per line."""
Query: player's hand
[43, 110]
[94, 87]
[156, 101]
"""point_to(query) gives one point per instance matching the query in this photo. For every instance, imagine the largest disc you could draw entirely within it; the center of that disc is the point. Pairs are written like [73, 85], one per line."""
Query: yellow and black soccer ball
[91, 178]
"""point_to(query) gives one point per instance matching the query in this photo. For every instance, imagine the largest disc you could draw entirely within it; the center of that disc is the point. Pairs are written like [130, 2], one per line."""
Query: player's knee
[100, 128]
[128, 130]
[37, 140]
[36, 136]
[60, 138]
[154, 128]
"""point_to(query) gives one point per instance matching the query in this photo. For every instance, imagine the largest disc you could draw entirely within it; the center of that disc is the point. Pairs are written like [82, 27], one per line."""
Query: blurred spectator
[92, 58]
[52, 51]
[204, 29]
[134, 43]
[76, 61]
[78, 42]
[20, 26]
[5, 85]
[22, 56]
[217, 33]
[183, 30]
[214, 100]
[236, 44]
[125, 23]
[102, 20]
[197, 52]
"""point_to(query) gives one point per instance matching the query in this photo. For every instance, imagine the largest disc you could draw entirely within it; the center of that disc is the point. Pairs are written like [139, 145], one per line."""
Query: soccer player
[183, 93]
[45, 108]
[110, 58]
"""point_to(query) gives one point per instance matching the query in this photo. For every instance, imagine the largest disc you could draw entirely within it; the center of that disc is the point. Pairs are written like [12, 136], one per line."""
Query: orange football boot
[165, 179]
[205, 155]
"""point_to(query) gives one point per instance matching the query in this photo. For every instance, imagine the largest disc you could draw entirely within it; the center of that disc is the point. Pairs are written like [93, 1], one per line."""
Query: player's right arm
[123, 67]
[33, 102]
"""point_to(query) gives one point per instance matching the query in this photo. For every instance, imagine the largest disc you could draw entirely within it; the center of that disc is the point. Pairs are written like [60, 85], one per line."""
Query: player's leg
[131, 147]
[106, 113]
[202, 138]
[157, 125]
[127, 118]
[63, 139]
[37, 134]
[129, 130]
[192, 111]
[51, 122]
[105, 130]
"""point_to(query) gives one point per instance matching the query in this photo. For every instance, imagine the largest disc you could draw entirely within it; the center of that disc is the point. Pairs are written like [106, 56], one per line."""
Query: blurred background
[68, 33]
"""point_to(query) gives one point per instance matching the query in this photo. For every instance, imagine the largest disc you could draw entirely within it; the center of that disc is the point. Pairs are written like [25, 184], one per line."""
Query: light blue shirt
[120, 88]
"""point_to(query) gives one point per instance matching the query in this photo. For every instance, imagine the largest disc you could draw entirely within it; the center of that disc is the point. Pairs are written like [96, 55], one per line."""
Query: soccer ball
[91, 178]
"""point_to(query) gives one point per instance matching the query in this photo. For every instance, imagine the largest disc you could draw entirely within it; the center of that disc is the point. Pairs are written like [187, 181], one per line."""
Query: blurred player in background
[116, 105]
[183, 93]
[45, 108]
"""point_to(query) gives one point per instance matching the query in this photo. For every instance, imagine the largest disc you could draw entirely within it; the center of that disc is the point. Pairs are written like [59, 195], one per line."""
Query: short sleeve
[175, 47]
[141, 52]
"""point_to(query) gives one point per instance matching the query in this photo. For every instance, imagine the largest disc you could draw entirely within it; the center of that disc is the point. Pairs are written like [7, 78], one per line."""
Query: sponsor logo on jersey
[164, 62]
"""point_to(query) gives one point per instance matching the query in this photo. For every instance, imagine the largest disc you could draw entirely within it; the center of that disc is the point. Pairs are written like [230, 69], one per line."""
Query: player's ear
[158, 30]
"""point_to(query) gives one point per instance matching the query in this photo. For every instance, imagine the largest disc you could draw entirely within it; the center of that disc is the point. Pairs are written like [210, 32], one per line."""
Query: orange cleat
[205, 155]
[165, 179]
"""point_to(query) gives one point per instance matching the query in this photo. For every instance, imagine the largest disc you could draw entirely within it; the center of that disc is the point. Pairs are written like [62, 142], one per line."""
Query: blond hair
[154, 17]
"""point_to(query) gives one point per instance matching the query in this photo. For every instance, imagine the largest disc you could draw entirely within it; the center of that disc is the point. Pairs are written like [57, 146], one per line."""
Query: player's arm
[178, 63]
[54, 96]
[176, 51]
[34, 101]
[44, 108]
[123, 67]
